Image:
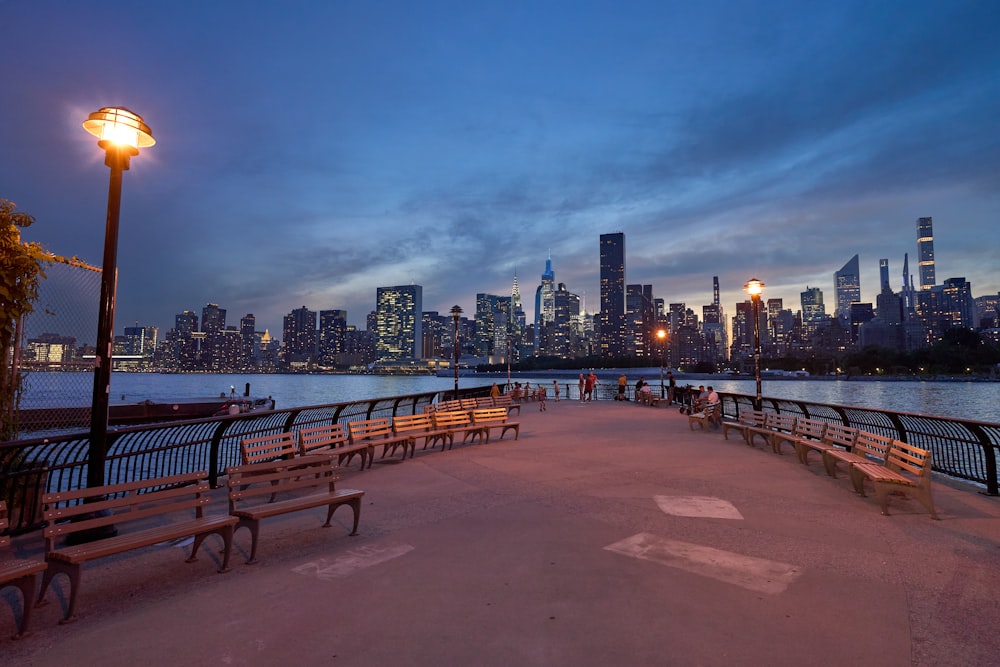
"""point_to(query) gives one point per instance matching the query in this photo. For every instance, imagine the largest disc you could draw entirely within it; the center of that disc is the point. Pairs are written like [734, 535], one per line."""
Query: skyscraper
[925, 251]
[847, 289]
[813, 310]
[399, 325]
[299, 334]
[883, 274]
[332, 335]
[612, 329]
[213, 324]
[545, 303]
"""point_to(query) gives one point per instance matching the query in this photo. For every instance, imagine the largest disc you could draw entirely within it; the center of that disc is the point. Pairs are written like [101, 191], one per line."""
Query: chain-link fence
[57, 349]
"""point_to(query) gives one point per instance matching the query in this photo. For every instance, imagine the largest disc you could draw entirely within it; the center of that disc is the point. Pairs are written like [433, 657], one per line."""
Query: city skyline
[308, 157]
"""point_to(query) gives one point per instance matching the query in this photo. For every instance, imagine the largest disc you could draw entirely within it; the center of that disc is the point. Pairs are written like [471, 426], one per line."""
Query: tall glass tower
[847, 289]
[925, 252]
[399, 325]
[612, 329]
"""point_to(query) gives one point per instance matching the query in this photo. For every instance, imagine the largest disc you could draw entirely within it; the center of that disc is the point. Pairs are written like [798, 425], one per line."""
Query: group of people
[587, 384]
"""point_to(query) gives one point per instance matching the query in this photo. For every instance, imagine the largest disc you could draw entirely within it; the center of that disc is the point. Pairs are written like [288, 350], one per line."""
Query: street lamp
[456, 311]
[754, 287]
[121, 134]
[508, 363]
[662, 335]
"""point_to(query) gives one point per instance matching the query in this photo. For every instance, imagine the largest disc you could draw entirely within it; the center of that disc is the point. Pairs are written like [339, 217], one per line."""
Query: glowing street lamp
[456, 312]
[754, 287]
[121, 134]
[662, 336]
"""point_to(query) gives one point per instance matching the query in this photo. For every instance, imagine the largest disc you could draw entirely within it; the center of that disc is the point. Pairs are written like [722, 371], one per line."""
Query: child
[541, 398]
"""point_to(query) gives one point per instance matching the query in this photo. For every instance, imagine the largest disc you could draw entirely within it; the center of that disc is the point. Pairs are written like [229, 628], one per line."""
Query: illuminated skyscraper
[612, 328]
[925, 251]
[399, 326]
[847, 289]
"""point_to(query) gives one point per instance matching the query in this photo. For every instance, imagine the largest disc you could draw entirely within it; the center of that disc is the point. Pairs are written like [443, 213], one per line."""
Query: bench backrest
[873, 446]
[468, 404]
[754, 418]
[66, 512]
[321, 437]
[781, 422]
[489, 415]
[270, 478]
[448, 406]
[402, 424]
[840, 435]
[369, 429]
[814, 429]
[269, 447]
[503, 401]
[451, 419]
[906, 457]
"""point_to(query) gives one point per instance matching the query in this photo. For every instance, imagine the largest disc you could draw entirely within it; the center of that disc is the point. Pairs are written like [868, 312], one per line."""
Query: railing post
[990, 458]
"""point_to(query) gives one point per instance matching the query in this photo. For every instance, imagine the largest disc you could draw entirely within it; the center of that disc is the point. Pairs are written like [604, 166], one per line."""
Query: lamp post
[121, 133]
[456, 311]
[508, 363]
[662, 336]
[754, 287]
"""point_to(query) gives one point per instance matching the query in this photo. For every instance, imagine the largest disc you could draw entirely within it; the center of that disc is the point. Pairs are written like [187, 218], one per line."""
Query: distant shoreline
[654, 372]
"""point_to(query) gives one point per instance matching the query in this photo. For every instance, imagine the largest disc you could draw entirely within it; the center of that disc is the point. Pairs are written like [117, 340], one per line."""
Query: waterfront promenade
[608, 534]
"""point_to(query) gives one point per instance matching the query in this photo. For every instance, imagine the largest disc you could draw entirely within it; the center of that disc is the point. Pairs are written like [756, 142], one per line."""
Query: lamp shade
[754, 287]
[118, 125]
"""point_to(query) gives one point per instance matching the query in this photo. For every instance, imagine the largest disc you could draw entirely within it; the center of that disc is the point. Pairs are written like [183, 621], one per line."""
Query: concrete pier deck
[608, 534]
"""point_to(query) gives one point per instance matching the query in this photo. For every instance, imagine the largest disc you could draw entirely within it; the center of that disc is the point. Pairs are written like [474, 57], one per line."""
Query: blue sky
[309, 152]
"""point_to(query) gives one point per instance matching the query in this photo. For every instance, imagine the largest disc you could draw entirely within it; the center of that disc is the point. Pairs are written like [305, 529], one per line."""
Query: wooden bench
[21, 573]
[506, 401]
[810, 430]
[136, 514]
[747, 419]
[448, 406]
[495, 418]
[378, 433]
[836, 436]
[906, 468]
[271, 447]
[867, 448]
[774, 424]
[333, 439]
[454, 423]
[419, 426]
[710, 416]
[305, 483]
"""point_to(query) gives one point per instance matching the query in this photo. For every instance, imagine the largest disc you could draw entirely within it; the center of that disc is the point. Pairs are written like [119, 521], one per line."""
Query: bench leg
[27, 584]
[254, 527]
[72, 571]
[354, 504]
[227, 539]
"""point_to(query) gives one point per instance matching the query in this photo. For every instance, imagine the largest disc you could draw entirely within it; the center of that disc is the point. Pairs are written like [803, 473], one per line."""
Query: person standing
[589, 384]
[541, 398]
[671, 388]
[494, 390]
[555, 389]
[583, 384]
[622, 386]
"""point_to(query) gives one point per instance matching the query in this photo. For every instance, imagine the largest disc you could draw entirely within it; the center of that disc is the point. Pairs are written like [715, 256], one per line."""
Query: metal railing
[29, 468]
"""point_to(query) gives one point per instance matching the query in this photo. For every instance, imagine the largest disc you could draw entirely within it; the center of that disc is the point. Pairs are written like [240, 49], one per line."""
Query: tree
[21, 270]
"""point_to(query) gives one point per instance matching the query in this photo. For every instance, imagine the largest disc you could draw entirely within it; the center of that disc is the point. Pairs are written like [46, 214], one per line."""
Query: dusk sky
[310, 152]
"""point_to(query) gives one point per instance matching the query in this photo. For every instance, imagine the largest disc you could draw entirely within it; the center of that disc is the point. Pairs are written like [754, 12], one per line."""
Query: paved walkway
[609, 534]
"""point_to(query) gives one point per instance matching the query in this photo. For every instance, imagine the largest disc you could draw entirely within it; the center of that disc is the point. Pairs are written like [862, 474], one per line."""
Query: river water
[970, 400]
